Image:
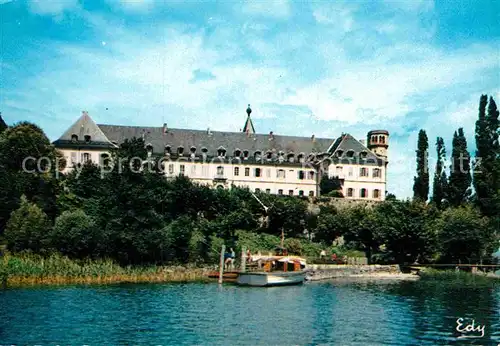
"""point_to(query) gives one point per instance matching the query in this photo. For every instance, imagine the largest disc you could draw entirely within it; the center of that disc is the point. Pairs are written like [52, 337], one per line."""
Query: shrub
[74, 234]
[27, 228]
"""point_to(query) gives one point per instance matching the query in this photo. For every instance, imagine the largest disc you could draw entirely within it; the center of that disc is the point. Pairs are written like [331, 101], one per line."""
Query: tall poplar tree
[3, 125]
[460, 178]
[487, 169]
[421, 181]
[439, 185]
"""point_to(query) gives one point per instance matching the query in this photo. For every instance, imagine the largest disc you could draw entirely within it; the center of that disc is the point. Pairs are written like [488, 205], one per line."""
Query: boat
[278, 270]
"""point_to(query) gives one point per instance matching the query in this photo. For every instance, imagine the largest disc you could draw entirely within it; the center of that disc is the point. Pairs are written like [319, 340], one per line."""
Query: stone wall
[330, 271]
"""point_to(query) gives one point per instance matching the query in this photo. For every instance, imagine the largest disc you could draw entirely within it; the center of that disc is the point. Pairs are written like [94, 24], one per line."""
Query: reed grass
[29, 269]
[459, 277]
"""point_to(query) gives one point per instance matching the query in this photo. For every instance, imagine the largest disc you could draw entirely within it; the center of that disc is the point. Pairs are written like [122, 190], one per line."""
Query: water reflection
[337, 312]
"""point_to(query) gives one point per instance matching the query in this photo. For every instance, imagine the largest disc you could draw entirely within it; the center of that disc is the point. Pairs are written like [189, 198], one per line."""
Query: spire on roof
[248, 127]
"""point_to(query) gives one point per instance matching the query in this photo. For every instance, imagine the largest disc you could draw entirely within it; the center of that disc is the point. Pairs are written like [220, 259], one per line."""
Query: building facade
[270, 163]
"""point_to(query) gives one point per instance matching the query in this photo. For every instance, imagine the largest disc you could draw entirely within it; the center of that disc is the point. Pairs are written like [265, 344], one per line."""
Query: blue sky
[306, 68]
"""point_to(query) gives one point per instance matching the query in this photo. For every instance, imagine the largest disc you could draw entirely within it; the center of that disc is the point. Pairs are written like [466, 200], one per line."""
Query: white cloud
[52, 7]
[271, 8]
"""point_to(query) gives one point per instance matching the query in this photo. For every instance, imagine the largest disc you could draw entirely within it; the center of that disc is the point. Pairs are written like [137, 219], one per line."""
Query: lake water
[333, 313]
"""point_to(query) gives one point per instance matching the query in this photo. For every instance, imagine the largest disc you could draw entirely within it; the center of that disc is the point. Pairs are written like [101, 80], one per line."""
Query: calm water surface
[329, 313]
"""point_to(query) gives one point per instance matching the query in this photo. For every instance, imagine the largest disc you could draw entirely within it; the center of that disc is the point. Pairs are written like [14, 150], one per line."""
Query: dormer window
[301, 157]
[193, 152]
[168, 149]
[350, 153]
[180, 150]
[237, 153]
[149, 149]
[87, 138]
[269, 155]
[257, 155]
[245, 154]
[221, 151]
[339, 153]
[204, 150]
[290, 157]
[363, 154]
[74, 138]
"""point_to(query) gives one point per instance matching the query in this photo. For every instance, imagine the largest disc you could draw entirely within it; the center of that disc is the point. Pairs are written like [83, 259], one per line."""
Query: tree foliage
[487, 169]
[440, 182]
[459, 182]
[27, 228]
[421, 181]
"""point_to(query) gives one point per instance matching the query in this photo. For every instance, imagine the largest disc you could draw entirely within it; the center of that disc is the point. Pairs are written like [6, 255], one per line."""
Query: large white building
[262, 162]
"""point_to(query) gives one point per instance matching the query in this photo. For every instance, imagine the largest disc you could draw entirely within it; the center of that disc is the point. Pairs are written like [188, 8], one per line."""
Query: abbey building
[268, 163]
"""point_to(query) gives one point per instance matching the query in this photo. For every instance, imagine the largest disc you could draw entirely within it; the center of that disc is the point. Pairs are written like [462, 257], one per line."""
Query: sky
[318, 67]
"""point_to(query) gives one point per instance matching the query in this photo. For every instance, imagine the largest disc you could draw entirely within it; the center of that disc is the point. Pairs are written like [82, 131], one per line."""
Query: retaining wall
[329, 271]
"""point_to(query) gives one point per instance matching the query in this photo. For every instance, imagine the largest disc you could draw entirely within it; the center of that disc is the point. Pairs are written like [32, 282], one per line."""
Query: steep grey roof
[347, 149]
[213, 140]
[82, 127]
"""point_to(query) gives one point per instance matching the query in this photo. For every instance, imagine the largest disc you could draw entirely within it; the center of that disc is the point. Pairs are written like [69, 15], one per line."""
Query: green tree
[464, 235]
[329, 185]
[358, 225]
[460, 178]
[440, 183]
[421, 181]
[27, 228]
[3, 125]
[75, 235]
[20, 148]
[407, 230]
[486, 171]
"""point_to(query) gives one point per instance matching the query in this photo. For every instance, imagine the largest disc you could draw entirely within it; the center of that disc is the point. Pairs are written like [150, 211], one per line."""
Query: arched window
[363, 193]
[237, 152]
[374, 139]
[376, 193]
[74, 138]
[381, 139]
[87, 138]
[180, 150]
[350, 192]
[350, 153]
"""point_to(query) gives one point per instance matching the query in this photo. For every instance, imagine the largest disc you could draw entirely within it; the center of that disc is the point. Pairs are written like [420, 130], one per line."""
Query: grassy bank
[21, 270]
[459, 277]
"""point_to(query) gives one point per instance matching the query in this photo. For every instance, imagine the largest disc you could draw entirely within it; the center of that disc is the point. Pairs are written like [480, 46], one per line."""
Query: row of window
[245, 154]
[363, 193]
[363, 172]
[290, 192]
[257, 172]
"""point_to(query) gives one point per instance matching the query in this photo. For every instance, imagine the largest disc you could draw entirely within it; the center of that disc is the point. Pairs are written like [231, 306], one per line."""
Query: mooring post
[221, 264]
[243, 259]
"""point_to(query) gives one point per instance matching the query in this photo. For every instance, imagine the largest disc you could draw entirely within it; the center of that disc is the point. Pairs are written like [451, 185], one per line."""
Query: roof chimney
[165, 128]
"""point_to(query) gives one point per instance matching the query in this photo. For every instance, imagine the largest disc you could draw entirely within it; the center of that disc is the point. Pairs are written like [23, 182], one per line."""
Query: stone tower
[378, 142]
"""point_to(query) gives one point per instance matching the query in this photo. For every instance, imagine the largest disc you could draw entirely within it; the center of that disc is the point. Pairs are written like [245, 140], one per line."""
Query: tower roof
[248, 127]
